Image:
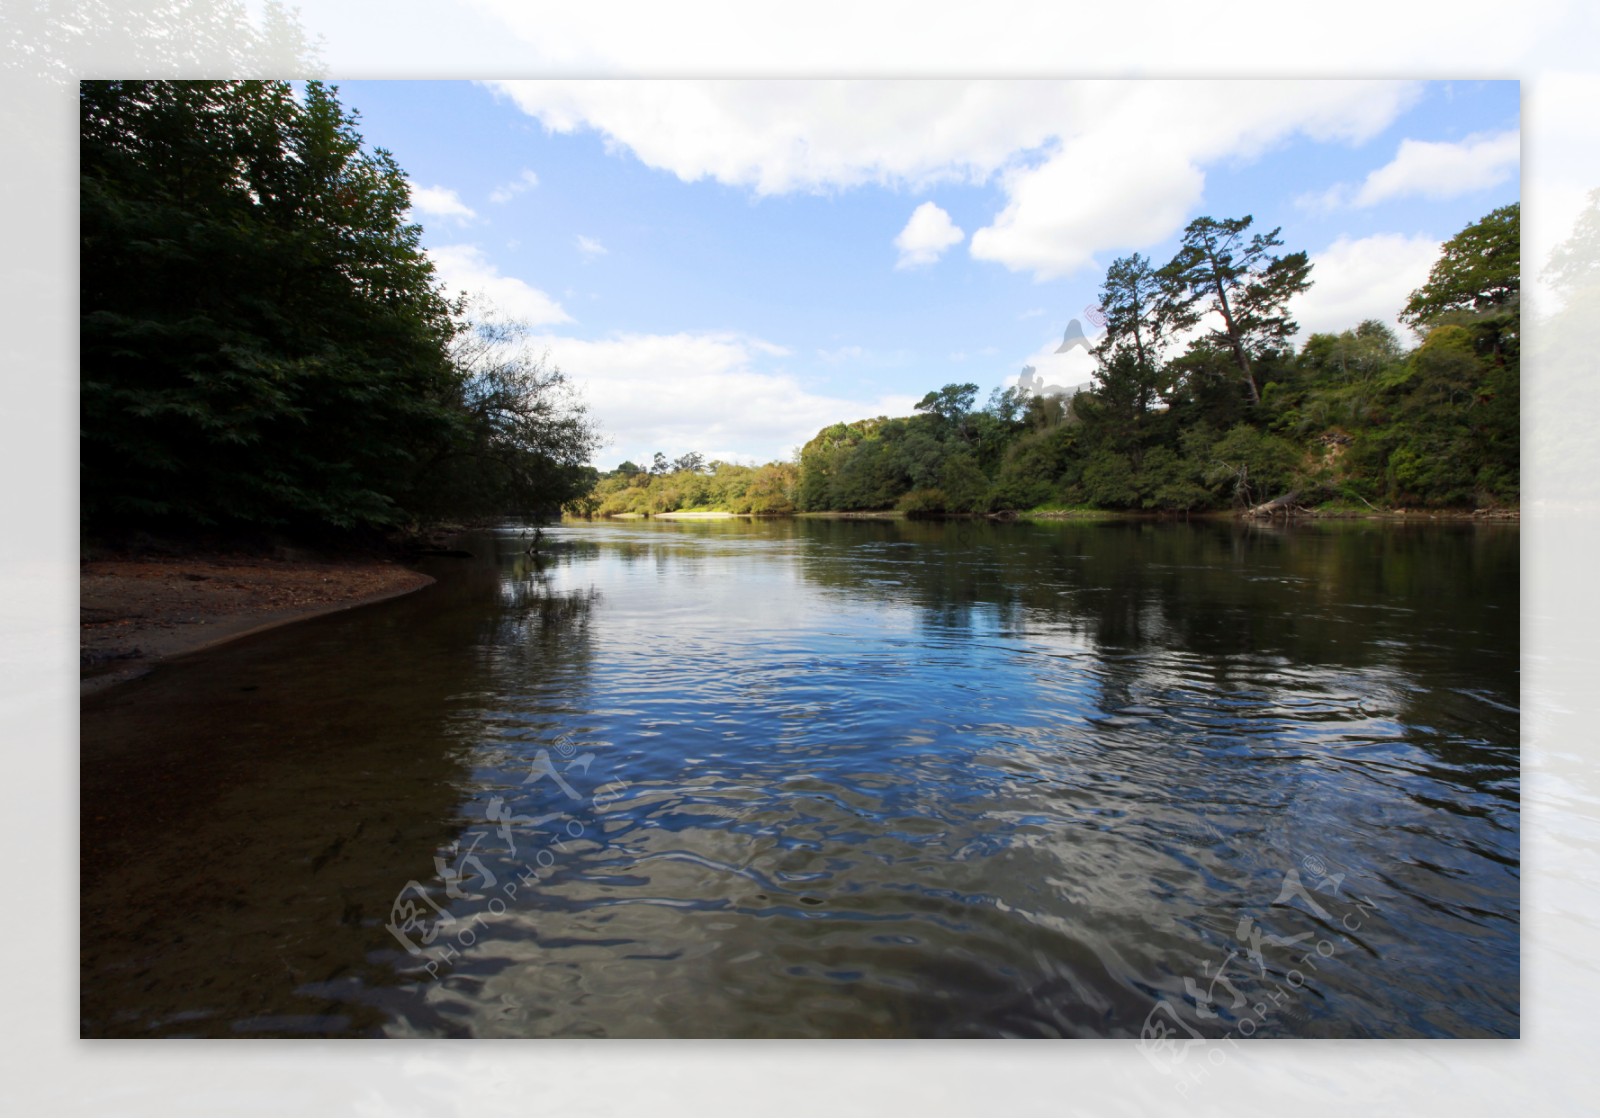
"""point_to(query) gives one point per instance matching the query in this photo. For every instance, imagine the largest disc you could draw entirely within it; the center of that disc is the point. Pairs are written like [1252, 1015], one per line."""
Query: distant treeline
[263, 342]
[1234, 418]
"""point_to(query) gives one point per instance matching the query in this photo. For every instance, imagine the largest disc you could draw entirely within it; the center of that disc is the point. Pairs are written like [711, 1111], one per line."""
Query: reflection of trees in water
[538, 626]
[1432, 607]
[1243, 696]
[674, 546]
[249, 815]
[1218, 589]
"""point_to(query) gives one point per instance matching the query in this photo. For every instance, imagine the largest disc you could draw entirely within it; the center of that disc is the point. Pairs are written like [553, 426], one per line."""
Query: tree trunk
[1234, 340]
[1275, 506]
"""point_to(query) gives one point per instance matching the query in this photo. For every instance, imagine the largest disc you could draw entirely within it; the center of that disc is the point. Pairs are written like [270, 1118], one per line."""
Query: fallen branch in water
[1268, 508]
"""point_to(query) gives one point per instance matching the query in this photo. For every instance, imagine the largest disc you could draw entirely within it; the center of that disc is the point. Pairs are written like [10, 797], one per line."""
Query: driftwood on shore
[1284, 505]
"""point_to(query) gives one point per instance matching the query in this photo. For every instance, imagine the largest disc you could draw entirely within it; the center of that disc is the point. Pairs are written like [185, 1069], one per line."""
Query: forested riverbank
[267, 351]
[1201, 402]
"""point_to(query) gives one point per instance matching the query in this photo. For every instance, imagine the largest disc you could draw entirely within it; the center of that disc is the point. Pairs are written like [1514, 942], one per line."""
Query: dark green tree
[1477, 282]
[1008, 405]
[1352, 355]
[524, 441]
[263, 341]
[952, 404]
[1142, 307]
[1218, 269]
[1479, 270]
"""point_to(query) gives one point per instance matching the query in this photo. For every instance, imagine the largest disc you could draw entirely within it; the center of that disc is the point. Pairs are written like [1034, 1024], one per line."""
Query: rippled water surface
[834, 778]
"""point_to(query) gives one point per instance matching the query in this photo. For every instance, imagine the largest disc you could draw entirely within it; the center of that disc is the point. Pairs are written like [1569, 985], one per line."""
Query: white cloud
[843, 353]
[719, 393]
[1438, 170]
[440, 202]
[780, 136]
[926, 236]
[1369, 278]
[1325, 201]
[465, 268]
[507, 191]
[1429, 169]
[1131, 174]
[1087, 167]
[588, 246]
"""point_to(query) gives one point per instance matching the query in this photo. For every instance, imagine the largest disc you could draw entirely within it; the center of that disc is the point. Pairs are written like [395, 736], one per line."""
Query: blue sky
[728, 266]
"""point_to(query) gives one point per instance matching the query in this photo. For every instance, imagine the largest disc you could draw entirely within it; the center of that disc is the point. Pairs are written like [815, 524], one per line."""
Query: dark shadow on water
[249, 813]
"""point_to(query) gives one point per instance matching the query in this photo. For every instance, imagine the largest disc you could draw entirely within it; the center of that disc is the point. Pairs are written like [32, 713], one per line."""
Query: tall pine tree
[1218, 270]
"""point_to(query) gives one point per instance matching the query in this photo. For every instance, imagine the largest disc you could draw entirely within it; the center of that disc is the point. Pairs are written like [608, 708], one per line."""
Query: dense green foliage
[263, 341]
[1239, 281]
[1480, 270]
[690, 484]
[1236, 419]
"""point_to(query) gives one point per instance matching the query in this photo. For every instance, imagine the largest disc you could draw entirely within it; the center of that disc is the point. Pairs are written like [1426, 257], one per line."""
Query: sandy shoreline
[137, 612]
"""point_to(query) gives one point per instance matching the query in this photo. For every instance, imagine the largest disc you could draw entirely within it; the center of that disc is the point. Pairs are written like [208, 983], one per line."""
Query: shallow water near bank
[834, 779]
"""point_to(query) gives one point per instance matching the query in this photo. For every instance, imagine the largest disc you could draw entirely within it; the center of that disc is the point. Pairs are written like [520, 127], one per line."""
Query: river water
[815, 778]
